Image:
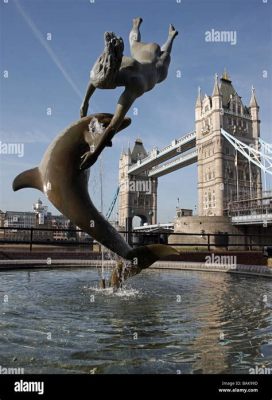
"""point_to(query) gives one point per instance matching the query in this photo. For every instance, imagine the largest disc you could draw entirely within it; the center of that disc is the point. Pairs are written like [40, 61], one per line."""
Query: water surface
[57, 321]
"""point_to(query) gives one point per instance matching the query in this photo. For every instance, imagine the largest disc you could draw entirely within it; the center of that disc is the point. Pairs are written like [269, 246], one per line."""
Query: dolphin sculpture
[65, 184]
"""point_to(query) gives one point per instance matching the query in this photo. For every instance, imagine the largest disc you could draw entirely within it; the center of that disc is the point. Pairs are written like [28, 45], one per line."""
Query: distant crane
[110, 210]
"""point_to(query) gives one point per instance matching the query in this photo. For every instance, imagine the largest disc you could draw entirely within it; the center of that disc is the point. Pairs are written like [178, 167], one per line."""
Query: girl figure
[147, 66]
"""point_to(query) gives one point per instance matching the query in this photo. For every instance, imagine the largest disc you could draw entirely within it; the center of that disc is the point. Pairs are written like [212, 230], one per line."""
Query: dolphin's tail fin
[28, 179]
[144, 256]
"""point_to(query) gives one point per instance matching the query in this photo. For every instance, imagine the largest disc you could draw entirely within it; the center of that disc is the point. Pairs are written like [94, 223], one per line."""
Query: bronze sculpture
[138, 74]
[63, 176]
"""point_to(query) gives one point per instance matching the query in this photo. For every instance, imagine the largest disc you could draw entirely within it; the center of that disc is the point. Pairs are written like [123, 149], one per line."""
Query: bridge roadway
[156, 156]
[179, 162]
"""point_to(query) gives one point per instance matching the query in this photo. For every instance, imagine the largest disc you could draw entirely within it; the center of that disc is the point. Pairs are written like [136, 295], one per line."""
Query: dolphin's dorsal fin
[28, 179]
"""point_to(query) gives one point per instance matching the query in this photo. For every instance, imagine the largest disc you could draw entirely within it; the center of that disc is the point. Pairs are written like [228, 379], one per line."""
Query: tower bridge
[230, 158]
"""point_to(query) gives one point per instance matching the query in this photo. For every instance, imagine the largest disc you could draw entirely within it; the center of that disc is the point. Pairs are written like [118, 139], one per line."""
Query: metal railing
[138, 238]
[202, 240]
[15, 235]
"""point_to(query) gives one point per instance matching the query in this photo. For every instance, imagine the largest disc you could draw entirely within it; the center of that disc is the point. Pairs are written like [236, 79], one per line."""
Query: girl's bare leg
[135, 35]
[167, 47]
[163, 62]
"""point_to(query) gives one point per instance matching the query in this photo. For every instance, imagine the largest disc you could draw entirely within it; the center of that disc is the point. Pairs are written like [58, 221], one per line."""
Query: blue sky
[55, 73]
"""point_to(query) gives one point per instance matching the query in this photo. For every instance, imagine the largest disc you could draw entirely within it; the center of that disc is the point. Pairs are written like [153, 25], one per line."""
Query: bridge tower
[224, 175]
[138, 194]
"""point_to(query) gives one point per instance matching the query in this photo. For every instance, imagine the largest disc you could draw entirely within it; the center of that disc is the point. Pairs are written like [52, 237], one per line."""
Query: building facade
[40, 219]
[223, 175]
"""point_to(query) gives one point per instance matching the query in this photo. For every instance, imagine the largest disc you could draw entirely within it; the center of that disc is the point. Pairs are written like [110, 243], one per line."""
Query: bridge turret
[216, 95]
[216, 106]
[254, 115]
[198, 105]
[138, 193]
[198, 113]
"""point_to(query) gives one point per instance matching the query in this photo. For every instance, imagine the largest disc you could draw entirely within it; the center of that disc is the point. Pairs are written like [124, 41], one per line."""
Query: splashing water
[121, 292]
[105, 272]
